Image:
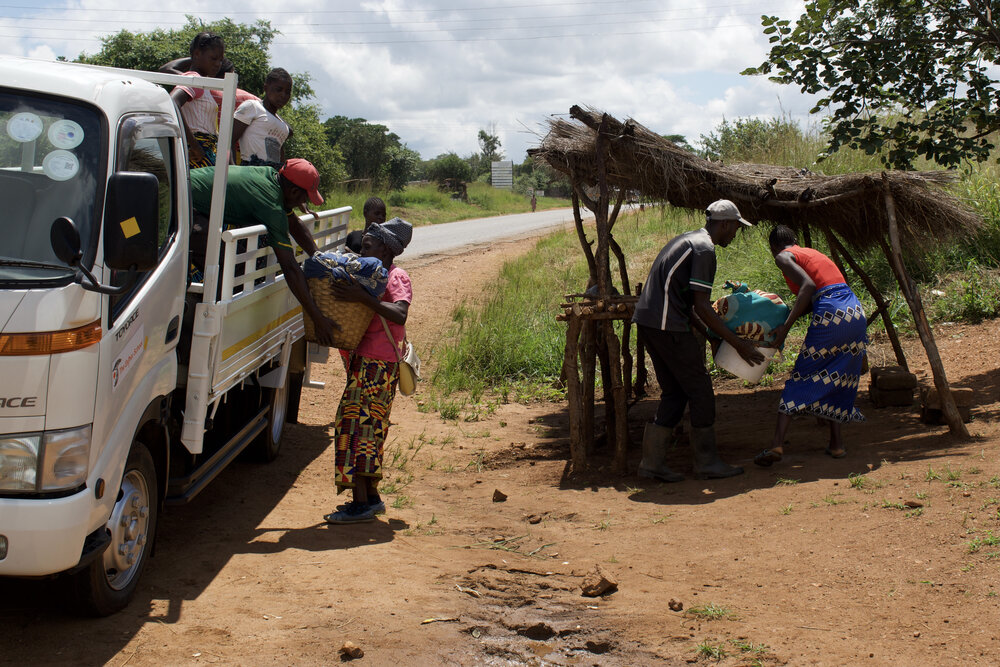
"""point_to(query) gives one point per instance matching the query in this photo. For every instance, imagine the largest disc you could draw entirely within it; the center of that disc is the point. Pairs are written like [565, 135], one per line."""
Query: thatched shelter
[891, 211]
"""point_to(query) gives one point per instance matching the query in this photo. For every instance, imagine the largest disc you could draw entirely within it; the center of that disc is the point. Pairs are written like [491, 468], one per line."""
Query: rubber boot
[707, 464]
[654, 452]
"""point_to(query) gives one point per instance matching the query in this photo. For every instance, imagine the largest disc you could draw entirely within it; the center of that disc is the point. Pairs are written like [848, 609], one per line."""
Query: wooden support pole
[620, 437]
[607, 383]
[602, 256]
[578, 455]
[588, 252]
[627, 324]
[618, 207]
[880, 301]
[912, 295]
[588, 364]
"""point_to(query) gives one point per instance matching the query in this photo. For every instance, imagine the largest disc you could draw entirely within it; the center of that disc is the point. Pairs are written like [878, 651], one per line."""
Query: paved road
[449, 237]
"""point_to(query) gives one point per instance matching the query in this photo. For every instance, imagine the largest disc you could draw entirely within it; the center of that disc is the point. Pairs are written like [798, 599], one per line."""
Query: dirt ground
[793, 565]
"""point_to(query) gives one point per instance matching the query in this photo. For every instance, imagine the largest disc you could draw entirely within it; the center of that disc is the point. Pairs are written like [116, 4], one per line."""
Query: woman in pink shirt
[372, 373]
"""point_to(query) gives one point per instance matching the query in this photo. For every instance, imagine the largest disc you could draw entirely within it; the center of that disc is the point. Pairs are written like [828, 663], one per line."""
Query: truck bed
[255, 320]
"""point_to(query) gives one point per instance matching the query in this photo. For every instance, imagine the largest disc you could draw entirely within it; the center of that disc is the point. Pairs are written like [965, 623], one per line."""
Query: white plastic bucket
[731, 360]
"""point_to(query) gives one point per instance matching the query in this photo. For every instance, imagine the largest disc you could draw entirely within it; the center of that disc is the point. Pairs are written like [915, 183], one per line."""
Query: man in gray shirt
[674, 300]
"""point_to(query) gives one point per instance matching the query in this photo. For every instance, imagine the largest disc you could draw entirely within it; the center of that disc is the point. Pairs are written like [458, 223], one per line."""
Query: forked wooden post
[618, 395]
[578, 454]
[912, 295]
[588, 367]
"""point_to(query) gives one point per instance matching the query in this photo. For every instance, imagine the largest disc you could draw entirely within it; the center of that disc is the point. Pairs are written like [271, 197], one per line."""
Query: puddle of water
[541, 649]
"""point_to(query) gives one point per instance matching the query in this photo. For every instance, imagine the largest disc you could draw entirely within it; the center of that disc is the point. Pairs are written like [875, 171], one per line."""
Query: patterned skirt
[209, 144]
[363, 419]
[827, 371]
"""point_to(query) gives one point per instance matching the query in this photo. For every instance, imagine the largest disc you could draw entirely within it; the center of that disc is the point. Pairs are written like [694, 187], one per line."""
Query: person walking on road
[675, 300]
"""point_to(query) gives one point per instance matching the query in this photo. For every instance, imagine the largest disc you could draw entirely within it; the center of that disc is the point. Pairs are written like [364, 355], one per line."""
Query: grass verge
[423, 204]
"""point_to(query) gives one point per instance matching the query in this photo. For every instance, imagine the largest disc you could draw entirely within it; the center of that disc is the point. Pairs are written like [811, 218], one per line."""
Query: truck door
[144, 322]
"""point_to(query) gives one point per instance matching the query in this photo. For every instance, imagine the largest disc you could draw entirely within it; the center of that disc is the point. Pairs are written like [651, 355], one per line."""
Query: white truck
[124, 386]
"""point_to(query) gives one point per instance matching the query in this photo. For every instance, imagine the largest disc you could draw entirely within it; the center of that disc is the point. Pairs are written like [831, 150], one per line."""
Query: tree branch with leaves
[904, 79]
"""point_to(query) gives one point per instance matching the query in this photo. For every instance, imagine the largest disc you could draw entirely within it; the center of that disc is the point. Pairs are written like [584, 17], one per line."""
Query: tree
[906, 78]
[371, 151]
[489, 145]
[748, 139]
[401, 164]
[448, 166]
[680, 140]
[308, 141]
[247, 46]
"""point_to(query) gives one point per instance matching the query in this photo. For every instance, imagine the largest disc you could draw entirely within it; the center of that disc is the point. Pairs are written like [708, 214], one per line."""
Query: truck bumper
[44, 536]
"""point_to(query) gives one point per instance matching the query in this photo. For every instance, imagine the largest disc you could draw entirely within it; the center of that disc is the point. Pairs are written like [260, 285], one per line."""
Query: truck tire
[268, 444]
[109, 583]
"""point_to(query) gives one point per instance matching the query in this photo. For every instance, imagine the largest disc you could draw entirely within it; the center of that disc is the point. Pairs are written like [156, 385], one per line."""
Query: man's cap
[303, 174]
[724, 209]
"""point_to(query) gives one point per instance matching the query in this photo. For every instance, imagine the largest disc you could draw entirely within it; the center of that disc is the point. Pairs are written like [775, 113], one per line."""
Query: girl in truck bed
[198, 107]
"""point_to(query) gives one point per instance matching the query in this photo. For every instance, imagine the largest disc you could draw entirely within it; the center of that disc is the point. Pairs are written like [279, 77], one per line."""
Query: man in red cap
[261, 195]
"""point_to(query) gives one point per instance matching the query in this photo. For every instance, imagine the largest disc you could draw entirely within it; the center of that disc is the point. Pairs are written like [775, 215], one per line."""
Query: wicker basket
[352, 317]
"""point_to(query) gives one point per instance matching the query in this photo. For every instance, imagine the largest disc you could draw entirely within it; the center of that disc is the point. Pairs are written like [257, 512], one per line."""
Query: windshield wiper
[31, 264]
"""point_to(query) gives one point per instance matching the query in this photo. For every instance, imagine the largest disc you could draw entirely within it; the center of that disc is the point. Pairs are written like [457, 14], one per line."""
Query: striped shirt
[684, 266]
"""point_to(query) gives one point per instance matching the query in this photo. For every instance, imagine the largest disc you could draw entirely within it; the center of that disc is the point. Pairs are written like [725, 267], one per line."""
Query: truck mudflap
[253, 321]
[93, 548]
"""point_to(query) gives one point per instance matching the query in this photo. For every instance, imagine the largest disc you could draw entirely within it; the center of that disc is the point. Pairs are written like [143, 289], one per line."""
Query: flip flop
[829, 452]
[766, 458]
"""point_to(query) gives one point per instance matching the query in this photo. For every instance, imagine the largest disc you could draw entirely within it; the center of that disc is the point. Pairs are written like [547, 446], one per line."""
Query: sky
[435, 72]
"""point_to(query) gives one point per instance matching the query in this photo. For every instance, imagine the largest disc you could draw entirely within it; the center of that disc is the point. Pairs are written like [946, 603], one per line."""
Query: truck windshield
[51, 152]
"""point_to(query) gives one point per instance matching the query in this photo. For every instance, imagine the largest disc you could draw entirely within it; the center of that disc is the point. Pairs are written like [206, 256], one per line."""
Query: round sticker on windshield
[24, 126]
[60, 165]
[65, 134]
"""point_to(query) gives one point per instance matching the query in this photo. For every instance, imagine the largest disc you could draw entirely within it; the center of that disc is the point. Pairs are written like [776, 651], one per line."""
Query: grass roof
[851, 205]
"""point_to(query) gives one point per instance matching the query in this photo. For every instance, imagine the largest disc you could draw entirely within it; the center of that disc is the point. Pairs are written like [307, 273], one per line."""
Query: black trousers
[679, 362]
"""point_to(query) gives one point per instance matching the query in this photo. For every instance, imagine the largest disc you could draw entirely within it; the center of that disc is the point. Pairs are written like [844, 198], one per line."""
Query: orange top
[817, 266]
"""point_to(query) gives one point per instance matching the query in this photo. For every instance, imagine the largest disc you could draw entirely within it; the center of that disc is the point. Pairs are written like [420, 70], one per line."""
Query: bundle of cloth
[750, 314]
[344, 267]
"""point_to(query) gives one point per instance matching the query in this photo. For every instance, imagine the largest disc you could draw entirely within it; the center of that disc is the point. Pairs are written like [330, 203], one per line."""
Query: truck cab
[124, 387]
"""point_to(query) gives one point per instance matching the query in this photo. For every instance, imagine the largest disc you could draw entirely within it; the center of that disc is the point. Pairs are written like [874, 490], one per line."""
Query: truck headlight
[45, 462]
[65, 459]
[19, 462]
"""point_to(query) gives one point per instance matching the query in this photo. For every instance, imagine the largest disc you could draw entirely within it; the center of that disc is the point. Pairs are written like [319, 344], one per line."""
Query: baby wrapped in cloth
[341, 267]
[750, 314]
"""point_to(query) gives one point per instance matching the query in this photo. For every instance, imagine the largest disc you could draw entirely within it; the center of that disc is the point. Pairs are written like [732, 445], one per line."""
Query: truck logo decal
[128, 358]
[130, 227]
[18, 401]
[129, 322]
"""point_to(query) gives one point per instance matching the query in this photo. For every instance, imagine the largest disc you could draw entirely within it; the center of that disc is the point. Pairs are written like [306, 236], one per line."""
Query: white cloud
[436, 71]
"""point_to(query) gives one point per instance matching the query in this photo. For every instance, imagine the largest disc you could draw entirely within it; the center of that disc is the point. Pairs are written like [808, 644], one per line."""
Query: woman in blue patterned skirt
[825, 377]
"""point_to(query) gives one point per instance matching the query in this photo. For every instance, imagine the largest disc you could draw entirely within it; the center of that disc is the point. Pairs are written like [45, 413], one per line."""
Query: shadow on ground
[41, 627]
[745, 420]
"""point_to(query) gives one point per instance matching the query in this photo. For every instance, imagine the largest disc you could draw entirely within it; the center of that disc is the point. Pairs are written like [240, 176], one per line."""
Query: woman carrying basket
[372, 374]
[825, 377]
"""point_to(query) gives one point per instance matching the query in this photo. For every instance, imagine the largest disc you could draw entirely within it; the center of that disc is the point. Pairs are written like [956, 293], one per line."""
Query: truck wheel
[268, 443]
[109, 583]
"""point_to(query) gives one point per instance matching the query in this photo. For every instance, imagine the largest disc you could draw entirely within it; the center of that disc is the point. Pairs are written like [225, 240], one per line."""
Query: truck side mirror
[131, 221]
[65, 240]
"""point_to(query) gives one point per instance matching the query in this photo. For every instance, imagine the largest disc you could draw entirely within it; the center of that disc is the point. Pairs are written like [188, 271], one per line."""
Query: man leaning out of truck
[261, 195]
